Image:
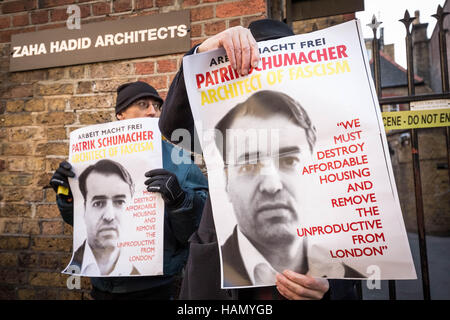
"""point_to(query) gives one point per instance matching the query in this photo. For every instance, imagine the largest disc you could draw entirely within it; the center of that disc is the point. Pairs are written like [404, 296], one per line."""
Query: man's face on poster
[263, 179]
[106, 199]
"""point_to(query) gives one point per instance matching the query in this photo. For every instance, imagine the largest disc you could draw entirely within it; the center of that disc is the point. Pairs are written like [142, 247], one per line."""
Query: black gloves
[166, 183]
[60, 177]
[64, 202]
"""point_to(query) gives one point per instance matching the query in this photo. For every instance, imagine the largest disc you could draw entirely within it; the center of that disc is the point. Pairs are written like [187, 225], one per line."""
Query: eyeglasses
[287, 161]
[144, 104]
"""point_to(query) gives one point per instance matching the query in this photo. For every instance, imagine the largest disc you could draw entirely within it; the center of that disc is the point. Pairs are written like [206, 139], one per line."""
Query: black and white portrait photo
[264, 186]
[107, 189]
[117, 223]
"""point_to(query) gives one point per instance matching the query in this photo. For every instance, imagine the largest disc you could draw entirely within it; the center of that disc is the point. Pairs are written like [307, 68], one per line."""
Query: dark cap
[267, 29]
[127, 93]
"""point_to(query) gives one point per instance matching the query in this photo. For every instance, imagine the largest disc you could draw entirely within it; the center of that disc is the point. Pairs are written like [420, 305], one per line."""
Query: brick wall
[38, 110]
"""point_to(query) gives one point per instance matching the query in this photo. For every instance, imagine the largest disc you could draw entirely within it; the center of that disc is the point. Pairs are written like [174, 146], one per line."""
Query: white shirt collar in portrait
[90, 268]
[253, 258]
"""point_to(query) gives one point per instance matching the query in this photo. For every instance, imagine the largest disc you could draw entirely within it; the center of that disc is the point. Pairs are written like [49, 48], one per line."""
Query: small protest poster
[299, 170]
[118, 224]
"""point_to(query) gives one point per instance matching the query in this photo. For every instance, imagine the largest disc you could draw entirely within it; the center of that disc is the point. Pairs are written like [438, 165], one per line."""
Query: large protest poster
[118, 224]
[299, 170]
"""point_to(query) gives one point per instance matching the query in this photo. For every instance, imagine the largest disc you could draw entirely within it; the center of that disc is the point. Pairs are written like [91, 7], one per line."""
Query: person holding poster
[183, 188]
[203, 272]
[324, 212]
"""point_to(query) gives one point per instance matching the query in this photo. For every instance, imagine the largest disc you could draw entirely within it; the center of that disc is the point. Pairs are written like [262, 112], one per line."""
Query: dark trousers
[164, 292]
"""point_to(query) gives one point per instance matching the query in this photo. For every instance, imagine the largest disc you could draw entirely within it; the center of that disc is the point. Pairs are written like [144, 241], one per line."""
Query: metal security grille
[407, 99]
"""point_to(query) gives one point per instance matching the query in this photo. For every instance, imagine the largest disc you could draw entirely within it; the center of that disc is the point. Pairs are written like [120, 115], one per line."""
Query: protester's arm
[186, 219]
[177, 103]
[296, 286]
[242, 51]
[64, 202]
[166, 183]
[184, 205]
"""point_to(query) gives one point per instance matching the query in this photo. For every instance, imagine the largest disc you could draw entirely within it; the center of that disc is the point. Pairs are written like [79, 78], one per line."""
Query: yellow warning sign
[416, 119]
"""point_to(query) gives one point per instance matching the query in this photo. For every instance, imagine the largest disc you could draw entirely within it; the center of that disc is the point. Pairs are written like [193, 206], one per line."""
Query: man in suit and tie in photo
[107, 189]
[264, 186]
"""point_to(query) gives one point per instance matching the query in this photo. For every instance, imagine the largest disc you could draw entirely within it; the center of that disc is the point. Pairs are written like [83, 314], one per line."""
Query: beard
[275, 229]
[272, 220]
[107, 237]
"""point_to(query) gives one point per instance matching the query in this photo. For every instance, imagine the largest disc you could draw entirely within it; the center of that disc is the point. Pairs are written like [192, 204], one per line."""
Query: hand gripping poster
[298, 165]
[118, 224]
